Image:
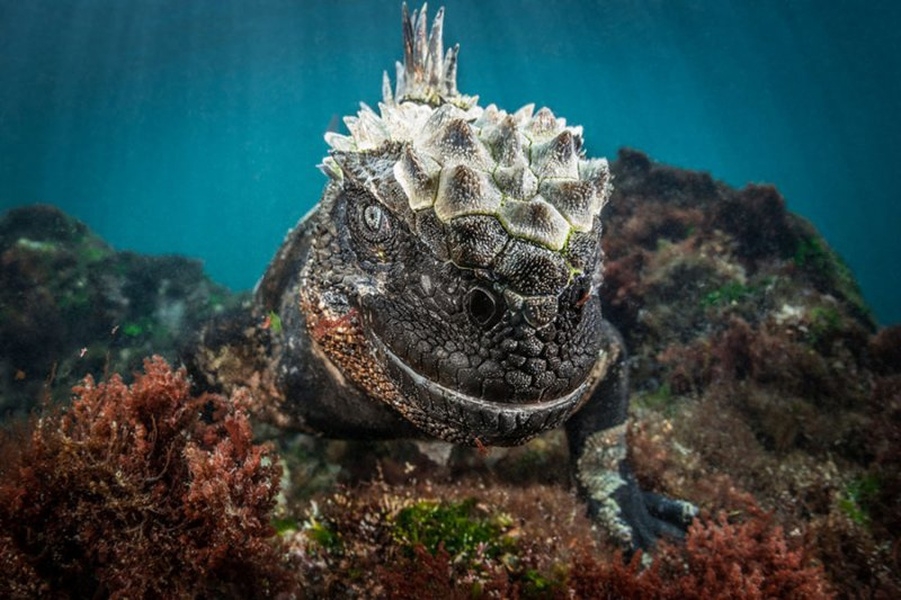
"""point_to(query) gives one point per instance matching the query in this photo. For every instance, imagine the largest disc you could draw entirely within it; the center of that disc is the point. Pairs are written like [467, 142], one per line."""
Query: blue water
[195, 126]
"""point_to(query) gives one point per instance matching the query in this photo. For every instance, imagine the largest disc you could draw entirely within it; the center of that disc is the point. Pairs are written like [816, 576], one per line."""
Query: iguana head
[464, 243]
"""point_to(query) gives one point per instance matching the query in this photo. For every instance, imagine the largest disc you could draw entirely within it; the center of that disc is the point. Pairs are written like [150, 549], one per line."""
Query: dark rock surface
[71, 305]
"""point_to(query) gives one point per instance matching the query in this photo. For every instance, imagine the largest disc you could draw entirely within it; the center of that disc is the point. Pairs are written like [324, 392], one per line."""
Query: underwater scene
[364, 299]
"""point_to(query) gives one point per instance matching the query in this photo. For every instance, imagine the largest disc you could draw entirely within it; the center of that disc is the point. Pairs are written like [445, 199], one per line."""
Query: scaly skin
[446, 286]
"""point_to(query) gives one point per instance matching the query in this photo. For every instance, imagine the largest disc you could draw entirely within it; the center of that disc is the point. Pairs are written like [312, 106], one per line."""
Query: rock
[71, 305]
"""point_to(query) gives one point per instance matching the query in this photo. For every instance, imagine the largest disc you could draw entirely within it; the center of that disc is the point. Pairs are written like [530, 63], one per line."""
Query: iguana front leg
[597, 442]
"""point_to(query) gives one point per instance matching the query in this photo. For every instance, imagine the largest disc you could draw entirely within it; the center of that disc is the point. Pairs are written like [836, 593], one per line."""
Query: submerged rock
[71, 305]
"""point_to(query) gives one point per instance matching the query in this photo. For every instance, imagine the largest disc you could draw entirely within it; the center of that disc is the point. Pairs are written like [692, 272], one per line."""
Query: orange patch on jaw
[342, 340]
[326, 326]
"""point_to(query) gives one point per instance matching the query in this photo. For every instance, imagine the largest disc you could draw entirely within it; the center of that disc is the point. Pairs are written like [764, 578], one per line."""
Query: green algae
[321, 534]
[275, 322]
[458, 527]
[857, 497]
[825, 322]
[814, 255]
[729, 293]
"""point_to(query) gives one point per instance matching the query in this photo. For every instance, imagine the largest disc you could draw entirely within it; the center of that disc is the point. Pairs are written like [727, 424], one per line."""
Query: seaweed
[140, 491]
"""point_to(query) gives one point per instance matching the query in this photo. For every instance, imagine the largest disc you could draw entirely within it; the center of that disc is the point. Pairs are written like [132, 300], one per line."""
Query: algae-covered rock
[72, 305]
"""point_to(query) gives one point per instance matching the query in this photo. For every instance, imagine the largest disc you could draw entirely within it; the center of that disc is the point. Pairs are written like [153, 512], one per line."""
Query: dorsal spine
[428, 74]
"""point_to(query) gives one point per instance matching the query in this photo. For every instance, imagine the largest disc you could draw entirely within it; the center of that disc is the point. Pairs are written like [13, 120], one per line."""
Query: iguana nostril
[539, 311]
[580, 292]
[482, 307]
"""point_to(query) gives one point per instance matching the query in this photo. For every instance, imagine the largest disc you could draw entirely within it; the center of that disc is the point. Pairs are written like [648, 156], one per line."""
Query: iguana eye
[482, 307]
[373, 217]
[372, 223]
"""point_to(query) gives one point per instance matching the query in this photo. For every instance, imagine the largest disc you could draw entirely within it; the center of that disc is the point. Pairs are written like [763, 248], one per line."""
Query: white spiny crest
[526, 169]
[427, 73]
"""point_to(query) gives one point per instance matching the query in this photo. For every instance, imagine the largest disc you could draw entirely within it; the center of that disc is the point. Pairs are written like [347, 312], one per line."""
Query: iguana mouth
[459, 417]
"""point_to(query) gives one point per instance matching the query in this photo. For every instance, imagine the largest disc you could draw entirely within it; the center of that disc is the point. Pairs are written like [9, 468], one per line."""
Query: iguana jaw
[457, 417]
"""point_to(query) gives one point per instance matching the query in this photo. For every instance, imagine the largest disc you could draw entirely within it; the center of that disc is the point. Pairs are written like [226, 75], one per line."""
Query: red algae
[141, 491]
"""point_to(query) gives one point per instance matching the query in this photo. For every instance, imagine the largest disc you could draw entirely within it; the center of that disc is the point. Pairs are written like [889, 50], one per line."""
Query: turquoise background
[195, 126]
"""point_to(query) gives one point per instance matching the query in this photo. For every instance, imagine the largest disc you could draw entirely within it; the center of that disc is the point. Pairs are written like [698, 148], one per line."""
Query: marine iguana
[446, 285]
